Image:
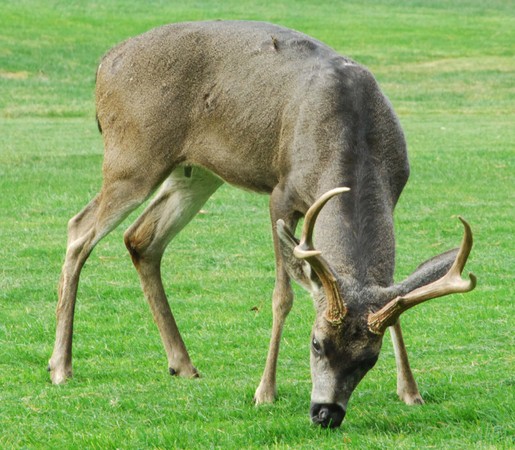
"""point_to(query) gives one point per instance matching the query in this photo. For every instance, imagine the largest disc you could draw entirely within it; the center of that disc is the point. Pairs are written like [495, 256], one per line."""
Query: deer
[186, 107]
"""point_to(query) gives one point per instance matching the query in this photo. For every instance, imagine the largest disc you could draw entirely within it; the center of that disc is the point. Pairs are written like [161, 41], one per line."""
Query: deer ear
[435, 278]
[429, 271]
[298, 269]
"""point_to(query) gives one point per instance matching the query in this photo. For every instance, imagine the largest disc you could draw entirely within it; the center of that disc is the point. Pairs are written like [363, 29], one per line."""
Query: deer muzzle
[327, 415]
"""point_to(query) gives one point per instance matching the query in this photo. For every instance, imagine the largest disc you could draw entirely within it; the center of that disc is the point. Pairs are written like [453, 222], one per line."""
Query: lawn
[449, 70]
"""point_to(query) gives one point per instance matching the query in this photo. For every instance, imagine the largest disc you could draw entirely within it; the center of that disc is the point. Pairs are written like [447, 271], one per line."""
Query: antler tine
[335, 309]
[306, 249]
[463, 254]
[450, 283]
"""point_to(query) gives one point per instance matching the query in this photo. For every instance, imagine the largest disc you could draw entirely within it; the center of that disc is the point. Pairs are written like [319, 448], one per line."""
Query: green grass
[449, 70]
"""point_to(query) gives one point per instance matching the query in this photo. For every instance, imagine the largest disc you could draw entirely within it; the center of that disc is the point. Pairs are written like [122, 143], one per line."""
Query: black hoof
[174, 373]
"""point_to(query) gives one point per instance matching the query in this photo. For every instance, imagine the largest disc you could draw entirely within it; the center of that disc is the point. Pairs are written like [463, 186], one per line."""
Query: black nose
[327, 414]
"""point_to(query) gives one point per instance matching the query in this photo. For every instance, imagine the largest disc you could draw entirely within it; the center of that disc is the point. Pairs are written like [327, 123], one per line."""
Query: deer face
[341, 355]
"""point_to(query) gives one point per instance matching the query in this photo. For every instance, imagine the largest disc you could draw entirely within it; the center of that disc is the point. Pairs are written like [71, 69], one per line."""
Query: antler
[450, 283]
[336, 309]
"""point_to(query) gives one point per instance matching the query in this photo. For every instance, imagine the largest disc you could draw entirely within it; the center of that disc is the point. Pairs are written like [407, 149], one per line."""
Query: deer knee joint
[133, 250]
[138, 241]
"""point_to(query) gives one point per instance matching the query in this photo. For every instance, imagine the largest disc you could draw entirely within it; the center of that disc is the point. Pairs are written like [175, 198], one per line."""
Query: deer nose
[327, 414]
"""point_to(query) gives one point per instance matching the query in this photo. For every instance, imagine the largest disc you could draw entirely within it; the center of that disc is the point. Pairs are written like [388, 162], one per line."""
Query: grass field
[449, 70]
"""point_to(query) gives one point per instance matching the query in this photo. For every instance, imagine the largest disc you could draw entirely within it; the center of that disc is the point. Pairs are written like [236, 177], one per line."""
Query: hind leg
[97, 219]
[80, 243]
[178, 201]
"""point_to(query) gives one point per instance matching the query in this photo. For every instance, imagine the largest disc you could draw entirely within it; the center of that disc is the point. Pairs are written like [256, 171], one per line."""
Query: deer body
[190, 106]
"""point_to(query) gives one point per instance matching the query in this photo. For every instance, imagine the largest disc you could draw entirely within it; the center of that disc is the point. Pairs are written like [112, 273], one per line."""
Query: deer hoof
[411, 399]
[190, 373]
[264, 395]
[59, 376]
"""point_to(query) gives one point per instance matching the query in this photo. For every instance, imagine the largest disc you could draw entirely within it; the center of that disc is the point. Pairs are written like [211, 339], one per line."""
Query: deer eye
[316, 346]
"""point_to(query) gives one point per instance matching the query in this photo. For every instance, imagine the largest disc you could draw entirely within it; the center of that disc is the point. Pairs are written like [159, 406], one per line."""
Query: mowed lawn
[449, 70]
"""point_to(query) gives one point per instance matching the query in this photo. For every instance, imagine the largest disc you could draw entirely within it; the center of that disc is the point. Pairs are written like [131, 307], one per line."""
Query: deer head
[351, 318]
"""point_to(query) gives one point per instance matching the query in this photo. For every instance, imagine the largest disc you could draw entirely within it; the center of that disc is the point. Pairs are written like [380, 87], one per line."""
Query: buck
[186, 107]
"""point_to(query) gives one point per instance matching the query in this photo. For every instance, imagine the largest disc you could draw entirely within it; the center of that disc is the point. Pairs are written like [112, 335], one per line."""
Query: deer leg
[407, 388]
[95, 221]
[178, 201]
[282, 302]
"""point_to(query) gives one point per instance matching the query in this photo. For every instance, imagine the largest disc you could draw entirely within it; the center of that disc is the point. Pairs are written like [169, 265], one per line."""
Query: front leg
[407, 388]
[282, 302]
